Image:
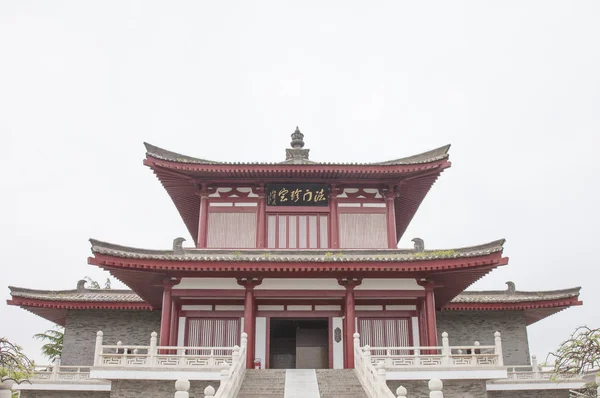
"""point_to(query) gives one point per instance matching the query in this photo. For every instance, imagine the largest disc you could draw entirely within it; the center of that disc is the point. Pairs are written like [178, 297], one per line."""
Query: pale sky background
[514, 86]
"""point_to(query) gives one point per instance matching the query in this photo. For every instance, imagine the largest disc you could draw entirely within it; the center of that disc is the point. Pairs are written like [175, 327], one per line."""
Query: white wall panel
[338, 348]
[231, 230]
[260, 350]
[363, 231]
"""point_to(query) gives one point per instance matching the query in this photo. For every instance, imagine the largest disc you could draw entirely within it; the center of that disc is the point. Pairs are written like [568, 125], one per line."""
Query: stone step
[339, 383]
[264, 383]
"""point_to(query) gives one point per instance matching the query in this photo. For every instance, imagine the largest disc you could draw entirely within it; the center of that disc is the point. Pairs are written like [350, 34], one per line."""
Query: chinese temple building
[301, 257]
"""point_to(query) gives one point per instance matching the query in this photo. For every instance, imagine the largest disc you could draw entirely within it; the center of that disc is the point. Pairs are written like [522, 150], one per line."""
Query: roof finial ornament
[81, 285]
[297, 139]
[419, 245]
[297, 154]
[178, 245]
[511, 287]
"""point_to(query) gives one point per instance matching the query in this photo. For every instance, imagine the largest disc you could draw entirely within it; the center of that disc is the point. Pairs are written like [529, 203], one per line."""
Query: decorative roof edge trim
[255, 256]
[430, 156]
[511, 306]
[78, 305]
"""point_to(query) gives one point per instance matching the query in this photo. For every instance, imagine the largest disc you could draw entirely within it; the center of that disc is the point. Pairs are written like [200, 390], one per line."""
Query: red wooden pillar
[250, 318]
[431, 318]
[333, 218]
[423, 337]
[262, 218]
[203, 218]
[167, 307]
[174, 323]
[349, 320]
[390, 196]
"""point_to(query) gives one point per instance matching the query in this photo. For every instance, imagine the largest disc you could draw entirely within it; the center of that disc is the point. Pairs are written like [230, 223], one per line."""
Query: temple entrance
[299, 343]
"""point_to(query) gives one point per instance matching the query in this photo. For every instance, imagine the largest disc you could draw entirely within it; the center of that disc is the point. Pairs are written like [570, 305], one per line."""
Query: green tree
[54, 346]
[14, 364]
[579, 355]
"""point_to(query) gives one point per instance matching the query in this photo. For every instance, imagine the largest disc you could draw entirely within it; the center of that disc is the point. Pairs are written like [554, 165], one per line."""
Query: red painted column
[250, 318]
[333, 220]
[165, 318]
[203, 219]
[249, 322]
[349, 320]
[174, 323]
[431, 318]
[350, 326]
[262, 219]
[423, 338]
[390, 196]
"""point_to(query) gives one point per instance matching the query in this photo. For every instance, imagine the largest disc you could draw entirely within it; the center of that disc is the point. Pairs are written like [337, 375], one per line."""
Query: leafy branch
[14, 364]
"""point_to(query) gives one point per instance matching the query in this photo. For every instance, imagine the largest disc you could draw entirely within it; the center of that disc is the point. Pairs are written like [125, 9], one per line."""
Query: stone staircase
[266, 383]
[339, 383]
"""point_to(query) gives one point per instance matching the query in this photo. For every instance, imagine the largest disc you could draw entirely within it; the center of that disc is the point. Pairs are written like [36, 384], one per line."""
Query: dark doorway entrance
[299, 343]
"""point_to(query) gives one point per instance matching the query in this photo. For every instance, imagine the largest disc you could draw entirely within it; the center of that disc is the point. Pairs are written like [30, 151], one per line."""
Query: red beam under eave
[277, 170]
[526, 305]
[308, 266]
[76, 305]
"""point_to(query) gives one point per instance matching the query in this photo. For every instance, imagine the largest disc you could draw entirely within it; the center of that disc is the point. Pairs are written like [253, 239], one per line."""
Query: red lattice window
[297, 231]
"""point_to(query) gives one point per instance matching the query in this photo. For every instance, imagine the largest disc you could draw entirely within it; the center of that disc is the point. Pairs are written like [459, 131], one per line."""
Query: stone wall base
[155, 388]
[452, 388]
[64, 394]
[529, 394]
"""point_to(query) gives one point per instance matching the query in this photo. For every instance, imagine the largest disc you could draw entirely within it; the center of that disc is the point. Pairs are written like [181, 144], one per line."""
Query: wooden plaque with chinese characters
[297, 194]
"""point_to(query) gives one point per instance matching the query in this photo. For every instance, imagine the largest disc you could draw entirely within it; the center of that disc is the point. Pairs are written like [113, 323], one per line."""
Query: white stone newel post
[152, 351]
[98, 349]
[356, 337]
[224, 374]
[209, 392]
[367, 353]
[473, 353]
[535, 367]
[182, 387]
[498, 350]
[381, 372]
[124, 353]
[244, 346]
[445, 349]
[435, 388]
[55, 368]
[401, 392]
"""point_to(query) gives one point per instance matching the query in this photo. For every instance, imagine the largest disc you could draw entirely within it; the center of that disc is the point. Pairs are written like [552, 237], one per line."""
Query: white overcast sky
[514, 86]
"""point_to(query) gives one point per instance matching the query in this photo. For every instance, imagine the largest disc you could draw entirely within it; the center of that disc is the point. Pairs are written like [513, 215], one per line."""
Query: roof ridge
[423, 157]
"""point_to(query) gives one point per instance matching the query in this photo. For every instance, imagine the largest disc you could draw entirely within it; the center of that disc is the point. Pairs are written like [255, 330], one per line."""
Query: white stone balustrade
[154, 356]
[56, 372]
[536, 373]
[372, 378]
[443, 356]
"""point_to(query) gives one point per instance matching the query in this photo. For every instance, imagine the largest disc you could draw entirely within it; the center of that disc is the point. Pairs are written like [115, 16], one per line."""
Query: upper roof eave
[291, 256]
[431, 156]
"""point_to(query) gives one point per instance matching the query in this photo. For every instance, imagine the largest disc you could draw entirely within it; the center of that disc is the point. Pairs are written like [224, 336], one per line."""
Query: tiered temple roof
[453, 270]
[53, 304]
[182, 174]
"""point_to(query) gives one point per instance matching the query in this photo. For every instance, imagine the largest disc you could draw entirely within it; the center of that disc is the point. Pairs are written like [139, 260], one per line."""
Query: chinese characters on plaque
[298, 195]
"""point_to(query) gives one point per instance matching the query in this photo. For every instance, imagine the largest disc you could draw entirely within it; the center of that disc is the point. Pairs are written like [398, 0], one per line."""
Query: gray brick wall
[130, 327]
[156, 388]
[65, 394]
[466, 327]
[452, 388]
[529, 394]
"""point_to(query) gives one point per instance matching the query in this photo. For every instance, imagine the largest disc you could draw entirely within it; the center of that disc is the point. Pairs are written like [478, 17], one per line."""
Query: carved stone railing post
[498, 350]
[445, 349]
[122, 351]
[182, 386]
[535, 367]
[367, 353]
[209, 392]
[401, 392]
[98, 349]
[474, 353]
[381, 373]
[435, 388]
[55, 369]
[152, 351]
[224, 375]
[417, 361]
